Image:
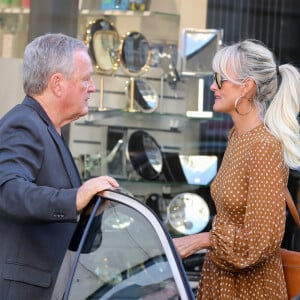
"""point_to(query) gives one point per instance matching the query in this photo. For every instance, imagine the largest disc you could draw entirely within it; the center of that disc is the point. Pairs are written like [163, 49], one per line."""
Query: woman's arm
[190, 244]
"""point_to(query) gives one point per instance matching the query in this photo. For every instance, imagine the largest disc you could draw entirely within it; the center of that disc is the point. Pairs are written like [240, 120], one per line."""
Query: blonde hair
[251, 59]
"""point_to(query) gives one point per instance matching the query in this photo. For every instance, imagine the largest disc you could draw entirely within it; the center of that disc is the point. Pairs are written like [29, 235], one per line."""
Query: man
[41, 194]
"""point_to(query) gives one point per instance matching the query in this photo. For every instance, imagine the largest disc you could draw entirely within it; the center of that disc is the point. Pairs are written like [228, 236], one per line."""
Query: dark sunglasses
[218, 79]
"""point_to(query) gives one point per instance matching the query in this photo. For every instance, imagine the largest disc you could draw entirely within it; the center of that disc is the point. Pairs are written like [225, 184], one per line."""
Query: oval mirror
[135, 53]
[103, 42]
[188, 213]
[145, 155]
[145, 96]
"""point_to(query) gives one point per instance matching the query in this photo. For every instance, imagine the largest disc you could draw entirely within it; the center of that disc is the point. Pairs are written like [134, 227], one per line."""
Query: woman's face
[225, 93]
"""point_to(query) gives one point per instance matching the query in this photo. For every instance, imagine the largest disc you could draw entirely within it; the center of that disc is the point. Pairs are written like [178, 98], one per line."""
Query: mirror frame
[145, 67]
[137, 153]
[94, 27]
[212, 34]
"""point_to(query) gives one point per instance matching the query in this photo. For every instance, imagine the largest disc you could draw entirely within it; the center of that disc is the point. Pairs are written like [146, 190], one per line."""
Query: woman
[243, 246]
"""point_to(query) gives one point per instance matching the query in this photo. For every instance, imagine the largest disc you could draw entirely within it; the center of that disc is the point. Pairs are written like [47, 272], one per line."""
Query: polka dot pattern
[244, 260]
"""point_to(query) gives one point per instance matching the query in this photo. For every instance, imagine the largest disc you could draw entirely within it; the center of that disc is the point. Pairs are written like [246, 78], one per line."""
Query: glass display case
[141, 119]
[14, 22]
[138, 129]
[155, 100]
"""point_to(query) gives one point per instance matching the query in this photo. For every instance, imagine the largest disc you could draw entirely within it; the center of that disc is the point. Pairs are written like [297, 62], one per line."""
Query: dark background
[277, 24]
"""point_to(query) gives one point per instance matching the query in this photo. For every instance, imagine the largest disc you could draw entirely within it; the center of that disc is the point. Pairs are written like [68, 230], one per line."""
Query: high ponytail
[278, 103]
[281, 115]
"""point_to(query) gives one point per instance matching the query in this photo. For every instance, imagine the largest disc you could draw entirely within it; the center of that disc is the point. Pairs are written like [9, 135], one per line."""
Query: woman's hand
[190, 244]
[92, 187]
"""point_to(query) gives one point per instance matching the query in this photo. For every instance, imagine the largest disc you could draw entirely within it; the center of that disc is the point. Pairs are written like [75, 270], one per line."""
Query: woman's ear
[249, 87]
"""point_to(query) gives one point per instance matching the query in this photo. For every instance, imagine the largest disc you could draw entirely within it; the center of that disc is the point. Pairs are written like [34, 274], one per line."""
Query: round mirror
[145, 155]
[145, 96]
[135, 53]
[188, 213]
[103, 42]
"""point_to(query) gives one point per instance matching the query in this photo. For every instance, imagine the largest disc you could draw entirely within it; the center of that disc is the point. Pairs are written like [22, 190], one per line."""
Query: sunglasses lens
[218, 80]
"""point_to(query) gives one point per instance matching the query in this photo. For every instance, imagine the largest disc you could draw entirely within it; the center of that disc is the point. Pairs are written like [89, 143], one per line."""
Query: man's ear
[56, 84]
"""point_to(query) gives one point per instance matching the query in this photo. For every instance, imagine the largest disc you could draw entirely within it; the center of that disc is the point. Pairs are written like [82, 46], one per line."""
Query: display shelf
[153, 115]
[173, 129]
[161, 183]
[125, 13]
[15, 10]
[125, 21]
[174, 123]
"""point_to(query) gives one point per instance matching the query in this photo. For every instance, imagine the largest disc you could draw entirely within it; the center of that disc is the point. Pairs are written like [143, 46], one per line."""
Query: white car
[121, 250]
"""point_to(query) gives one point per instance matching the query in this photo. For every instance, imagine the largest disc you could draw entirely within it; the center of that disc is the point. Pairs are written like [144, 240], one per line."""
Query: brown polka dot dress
[244, 260]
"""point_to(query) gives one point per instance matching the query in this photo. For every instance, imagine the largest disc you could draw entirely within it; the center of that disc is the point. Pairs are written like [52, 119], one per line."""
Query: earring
[236, 103]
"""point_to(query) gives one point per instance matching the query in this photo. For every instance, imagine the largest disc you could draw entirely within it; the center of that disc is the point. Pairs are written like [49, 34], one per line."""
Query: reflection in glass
[105, 45]
[188, 213]
[145, 96]
[198, 48]
[135, 53]
[126, 265]
[103, 42]
[145, 155]
[153, 154]
[199, 169]
[169, 67]
[115, 152]
[135, 59]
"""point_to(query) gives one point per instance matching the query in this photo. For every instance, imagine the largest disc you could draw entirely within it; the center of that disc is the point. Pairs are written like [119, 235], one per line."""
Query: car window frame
[174, 260]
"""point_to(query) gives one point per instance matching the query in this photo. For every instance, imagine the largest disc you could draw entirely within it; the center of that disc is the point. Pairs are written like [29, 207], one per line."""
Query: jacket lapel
[67, 158]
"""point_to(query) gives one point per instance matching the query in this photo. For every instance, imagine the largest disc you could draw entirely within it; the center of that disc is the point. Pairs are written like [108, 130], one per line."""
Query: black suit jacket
[38, 186]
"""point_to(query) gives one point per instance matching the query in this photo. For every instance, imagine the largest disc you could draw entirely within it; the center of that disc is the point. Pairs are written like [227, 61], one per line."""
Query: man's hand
[92, 187]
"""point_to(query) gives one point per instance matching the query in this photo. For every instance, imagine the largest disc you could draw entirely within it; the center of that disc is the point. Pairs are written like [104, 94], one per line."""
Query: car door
[124, 252]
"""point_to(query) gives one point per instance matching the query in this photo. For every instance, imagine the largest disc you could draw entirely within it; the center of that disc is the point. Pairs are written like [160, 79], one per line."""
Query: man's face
[79, 87]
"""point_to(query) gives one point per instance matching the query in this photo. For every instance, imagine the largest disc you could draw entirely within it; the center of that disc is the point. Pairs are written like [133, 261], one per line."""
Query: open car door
[123, 251]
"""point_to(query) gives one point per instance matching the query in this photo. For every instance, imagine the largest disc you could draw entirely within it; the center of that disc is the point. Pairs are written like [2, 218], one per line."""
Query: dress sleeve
[237, 247]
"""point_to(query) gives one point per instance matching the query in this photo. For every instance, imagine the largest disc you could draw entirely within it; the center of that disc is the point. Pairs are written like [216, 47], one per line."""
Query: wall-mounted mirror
[145, 95]
[198, 49]
[188, 213]
[135, 56]
[135, 53]
[145, 155]
[103, 42]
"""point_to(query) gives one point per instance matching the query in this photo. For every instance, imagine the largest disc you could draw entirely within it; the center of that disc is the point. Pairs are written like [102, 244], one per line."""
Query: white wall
[11, 87]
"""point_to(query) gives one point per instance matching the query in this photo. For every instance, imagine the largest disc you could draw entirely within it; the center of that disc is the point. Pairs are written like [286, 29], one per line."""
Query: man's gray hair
[46, 55]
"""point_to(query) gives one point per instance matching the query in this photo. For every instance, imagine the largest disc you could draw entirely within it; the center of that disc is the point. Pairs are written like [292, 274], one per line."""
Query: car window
[128, 255]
